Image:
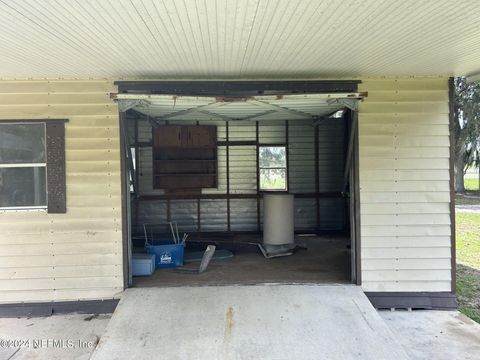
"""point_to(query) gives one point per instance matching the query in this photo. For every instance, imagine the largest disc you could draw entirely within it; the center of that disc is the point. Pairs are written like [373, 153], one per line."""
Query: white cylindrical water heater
[278, 219]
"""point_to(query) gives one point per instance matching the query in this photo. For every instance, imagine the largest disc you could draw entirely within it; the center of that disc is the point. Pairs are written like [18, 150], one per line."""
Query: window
[273, 168]
[23, 162]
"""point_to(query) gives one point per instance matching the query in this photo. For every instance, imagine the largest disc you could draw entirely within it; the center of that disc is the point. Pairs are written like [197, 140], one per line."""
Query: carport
[312, 123]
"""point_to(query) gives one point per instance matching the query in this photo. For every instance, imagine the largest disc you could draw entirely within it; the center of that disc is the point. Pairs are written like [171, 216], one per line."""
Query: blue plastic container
[167, 254]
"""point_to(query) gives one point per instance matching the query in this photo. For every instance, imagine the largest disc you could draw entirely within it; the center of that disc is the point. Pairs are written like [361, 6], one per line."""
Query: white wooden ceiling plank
[238, 39]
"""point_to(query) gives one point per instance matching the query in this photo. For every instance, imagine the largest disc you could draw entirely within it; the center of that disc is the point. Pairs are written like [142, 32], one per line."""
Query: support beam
[348, 159]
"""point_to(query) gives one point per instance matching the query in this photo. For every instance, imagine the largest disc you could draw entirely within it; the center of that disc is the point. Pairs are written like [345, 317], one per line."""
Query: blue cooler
[167, 254]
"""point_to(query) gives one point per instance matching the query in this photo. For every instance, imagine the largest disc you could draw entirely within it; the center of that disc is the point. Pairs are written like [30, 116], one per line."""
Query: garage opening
[264, 173]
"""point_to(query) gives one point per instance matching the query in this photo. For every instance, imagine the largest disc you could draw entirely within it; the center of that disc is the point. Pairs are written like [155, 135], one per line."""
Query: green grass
[468, 239]
[471, 184]
[468, 264]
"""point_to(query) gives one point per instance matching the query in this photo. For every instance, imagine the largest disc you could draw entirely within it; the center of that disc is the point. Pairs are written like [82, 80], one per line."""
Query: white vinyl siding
[404, 181]
[77, 255]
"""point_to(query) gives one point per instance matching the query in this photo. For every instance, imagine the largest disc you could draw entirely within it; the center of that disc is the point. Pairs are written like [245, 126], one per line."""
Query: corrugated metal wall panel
[184, 213]
[404, 181]
[332, 214]
[243, 172]
[305, 214]
[213, 215]
[331, 154]
[243, 214]
[243, 169]
[272, 132]
[301, 157]
[77, 255]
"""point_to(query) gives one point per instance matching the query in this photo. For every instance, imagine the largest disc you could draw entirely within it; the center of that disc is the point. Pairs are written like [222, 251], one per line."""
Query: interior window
[22, 166]
[273, 168]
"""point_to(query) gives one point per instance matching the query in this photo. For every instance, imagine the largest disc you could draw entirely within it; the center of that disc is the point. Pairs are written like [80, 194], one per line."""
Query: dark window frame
[260, 168]
[54, 164]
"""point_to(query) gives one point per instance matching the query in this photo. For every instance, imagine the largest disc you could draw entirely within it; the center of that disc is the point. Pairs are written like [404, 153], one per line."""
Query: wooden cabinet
[168, 136]
[184, 157]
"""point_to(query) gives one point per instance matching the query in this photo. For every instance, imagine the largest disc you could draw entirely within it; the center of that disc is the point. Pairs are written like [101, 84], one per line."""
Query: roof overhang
[250, 39]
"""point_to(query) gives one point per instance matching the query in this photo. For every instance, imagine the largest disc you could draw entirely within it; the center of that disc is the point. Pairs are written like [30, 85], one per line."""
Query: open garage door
[206, 159]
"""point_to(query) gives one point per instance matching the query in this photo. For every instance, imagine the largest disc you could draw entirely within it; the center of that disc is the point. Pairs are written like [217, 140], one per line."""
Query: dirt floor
[326, 260]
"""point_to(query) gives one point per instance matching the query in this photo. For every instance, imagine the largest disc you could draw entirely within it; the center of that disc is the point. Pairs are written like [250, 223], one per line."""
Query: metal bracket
[127, 104]
[351, 104]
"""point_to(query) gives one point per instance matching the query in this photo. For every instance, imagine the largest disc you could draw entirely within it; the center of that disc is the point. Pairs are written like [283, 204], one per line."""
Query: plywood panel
[77, 255]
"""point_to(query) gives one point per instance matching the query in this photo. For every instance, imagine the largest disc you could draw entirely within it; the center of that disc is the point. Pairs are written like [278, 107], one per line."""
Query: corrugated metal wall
[243, 176]
[404, 180]
[77, 255]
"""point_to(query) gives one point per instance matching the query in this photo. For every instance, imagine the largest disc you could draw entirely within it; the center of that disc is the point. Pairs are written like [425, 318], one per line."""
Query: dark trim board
[413, 300]
[124, 195]
[236, 88]
[33, 121]
[40, 309]
[451, 116]
[56, 173]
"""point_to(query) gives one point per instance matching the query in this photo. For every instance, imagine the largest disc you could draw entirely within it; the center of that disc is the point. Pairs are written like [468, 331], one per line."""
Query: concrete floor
[75, 337]
[326, 260]
[435, 334]
[247, 322]
[423, 334]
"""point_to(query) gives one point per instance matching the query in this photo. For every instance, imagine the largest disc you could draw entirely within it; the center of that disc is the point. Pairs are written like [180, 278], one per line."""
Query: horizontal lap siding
[77, 255]
[404, 181]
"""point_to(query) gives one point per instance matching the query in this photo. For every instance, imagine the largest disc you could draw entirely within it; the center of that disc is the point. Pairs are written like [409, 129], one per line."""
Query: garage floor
[247, 322]
[326, 260]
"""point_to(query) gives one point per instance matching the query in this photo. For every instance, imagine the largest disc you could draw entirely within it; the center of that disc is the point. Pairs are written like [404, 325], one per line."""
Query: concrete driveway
[247, 322]
[438, 335]
[328, 322]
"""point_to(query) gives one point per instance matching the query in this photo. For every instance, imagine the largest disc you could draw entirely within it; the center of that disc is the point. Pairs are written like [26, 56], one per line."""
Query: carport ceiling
[237, 39]
[254, 108]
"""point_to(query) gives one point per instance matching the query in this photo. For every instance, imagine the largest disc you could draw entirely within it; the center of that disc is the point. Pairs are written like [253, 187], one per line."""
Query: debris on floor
[207, 257]
[193, 256]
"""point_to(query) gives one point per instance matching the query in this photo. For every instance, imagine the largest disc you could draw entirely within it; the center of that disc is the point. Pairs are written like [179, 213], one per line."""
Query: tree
[466, 129]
